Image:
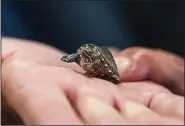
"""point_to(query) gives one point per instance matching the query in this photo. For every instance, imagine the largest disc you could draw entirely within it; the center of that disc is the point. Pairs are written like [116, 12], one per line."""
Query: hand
[140, 102]
[45, 99]
[36, 83]
[137, 103]
[165, 68]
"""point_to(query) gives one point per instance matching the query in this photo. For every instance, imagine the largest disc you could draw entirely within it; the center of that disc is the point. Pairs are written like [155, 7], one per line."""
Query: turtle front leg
[70, 58]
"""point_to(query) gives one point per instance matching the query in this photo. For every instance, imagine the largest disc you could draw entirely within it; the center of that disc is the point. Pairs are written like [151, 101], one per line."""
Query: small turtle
[96, 61]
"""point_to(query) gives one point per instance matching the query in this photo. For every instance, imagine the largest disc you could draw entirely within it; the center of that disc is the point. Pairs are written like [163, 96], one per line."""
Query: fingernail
[139, 54]
[123, 64]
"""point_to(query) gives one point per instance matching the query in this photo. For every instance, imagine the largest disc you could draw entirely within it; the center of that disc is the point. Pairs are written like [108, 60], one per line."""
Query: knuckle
[137, 52]
[136, 48]
[142, 54]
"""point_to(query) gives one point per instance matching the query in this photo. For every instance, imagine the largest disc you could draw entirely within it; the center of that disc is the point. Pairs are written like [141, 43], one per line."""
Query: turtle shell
[98, 62]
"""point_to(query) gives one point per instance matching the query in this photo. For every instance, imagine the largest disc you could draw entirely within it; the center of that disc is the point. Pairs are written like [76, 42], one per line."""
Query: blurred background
[67, 24]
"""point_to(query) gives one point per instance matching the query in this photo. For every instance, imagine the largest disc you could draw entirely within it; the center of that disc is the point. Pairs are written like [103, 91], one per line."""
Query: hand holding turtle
[44, 90]
[96, 61]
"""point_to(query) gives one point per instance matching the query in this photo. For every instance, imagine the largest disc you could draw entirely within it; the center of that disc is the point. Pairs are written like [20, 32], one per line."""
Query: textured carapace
[96, 61]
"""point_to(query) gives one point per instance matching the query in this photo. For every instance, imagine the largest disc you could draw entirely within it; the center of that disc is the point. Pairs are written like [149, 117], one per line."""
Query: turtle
[96, 61]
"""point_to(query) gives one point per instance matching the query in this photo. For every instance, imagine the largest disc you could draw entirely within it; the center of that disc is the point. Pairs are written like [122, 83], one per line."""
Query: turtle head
[74, 57]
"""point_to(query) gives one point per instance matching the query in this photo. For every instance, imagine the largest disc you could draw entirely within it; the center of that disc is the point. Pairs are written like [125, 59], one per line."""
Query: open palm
[44, 90]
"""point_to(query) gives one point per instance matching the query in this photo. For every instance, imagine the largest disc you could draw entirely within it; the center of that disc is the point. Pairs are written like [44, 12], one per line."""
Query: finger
[25, 49]
[159, 66]
[88, 90]
[96, 91]
[139, 114]
[139, 92]
[129, 69]
[37, 100]
[85, 91]
[10, 45]
[168, 105]
[96, 111]
[43, 107]
[136, 113]
[102, 89]
[105, 92]
[135, 95]
[142, 98]
[45, 110]
[143, 87]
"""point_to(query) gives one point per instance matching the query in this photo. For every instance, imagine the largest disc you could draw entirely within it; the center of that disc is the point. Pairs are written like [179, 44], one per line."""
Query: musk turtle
[96, 61]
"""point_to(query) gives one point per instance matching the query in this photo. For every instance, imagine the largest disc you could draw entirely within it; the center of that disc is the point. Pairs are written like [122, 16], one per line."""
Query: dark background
[69, 24]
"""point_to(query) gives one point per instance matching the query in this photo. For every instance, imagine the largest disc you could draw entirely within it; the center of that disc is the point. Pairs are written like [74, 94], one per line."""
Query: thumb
[157, 65]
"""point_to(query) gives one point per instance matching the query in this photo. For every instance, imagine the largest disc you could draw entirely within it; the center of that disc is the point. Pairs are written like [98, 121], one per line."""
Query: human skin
[44, 90]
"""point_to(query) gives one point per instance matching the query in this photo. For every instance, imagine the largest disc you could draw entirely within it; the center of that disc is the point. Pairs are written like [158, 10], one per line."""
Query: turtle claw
[96, 61]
